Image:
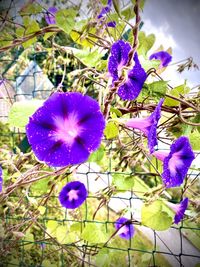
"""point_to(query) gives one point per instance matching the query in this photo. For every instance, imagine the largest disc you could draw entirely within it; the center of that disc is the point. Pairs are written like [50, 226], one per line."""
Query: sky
[176, 23]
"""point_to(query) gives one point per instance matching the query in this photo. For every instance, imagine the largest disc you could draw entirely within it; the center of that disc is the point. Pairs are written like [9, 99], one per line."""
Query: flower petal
[105, 9]
[133, 86]
[152, 134]
[72, 195]
[181, 210]
[66, 129]
[49, 17]
[163, 56]
[125, 231]
[118, 58]
[177, 163]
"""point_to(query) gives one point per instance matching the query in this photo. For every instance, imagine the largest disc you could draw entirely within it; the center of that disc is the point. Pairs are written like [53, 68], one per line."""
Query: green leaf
[31, 27]
[65, 19]
[21, 111]
[157, 216]
[103, 258]
[197, 120]
[122, 182]
[128, 13]
[32, 8]
[111, 131]
[145, 43]
[87, 57]
[98, 155]
[148, 64]
[40, 186]
[194, 140]
[95, 233]
[176, 91]
[116, 4]
[47, 35]
[158, 88]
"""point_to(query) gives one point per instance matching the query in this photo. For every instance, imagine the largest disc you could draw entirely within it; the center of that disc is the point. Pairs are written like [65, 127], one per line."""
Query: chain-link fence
[35, 229]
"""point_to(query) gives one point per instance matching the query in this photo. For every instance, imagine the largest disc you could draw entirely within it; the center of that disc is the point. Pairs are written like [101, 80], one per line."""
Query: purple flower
[105, 9]
[126, 229]
[179, 209]
[73, 195]
[134, 83]
[148, 126]
[177, 162]
[163, 56]
[111, 24]
[66, 129]
[50, 15]
[118, 58]
[1, 179]
[135, 77]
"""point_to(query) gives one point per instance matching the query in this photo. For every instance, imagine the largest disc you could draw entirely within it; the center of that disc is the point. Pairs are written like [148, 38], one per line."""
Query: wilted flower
[50, 15]
[1, 179]
[126, 229]
[163, 56]
[148, 126]
[66, 129]
[105, 9]
[72, 195]
[179, 209]
[177, 162]
[136, 76]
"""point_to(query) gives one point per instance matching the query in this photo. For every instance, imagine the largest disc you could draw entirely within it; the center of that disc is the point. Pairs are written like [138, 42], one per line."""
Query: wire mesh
[174, 247]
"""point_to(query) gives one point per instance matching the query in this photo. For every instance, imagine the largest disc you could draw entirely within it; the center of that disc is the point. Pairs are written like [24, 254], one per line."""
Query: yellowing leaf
[111, 130]
[157, 216]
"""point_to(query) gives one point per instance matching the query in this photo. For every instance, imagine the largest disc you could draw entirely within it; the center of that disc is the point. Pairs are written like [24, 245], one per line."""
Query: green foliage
[87, 57]
[176, 91]
[194, 137]
[116, 4]
[157, 88]
[122, 182]
[31, 26]
[31, 8]
[111, 131]
[157, 216]
[65, 19]
[145, 43]
[98, 155]
[95, 233]
[21, 111]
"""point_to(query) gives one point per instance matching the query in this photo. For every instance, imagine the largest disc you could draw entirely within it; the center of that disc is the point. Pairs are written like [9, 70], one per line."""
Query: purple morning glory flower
[177, 162]
[126, 229]
[118, 58]
[134, 83]
[105, 9]
[1, 179]
[72, 195]
[163, 56]
[66, 129]
[179, 209]
[50, 15]
[135, 77]
[148, 126]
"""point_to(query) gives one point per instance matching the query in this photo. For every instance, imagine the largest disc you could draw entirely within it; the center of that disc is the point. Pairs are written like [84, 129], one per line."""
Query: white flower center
[175, 162]
[73, 194]
[67, 129]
